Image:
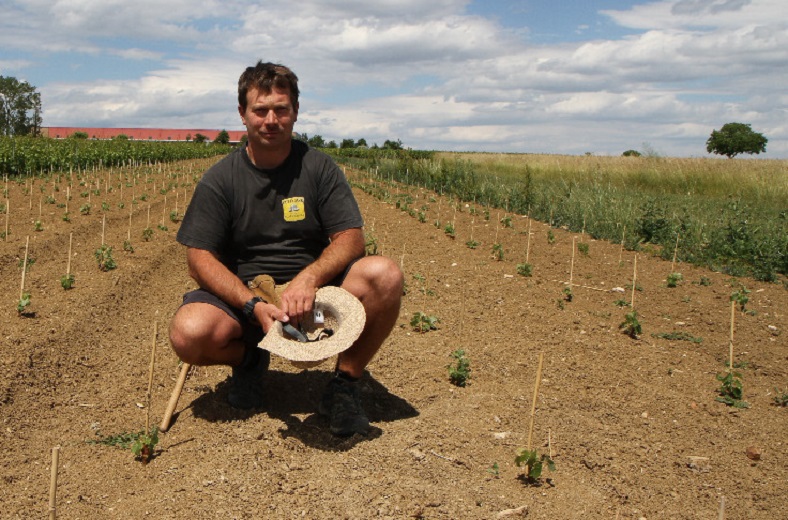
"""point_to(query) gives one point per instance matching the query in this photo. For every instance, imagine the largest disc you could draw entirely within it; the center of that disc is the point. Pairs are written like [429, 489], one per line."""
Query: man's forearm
[345, 247]
[213, 276]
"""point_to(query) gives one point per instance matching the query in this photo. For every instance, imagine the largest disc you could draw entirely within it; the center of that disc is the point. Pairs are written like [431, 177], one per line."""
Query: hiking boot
[340, 403]
[246, 384]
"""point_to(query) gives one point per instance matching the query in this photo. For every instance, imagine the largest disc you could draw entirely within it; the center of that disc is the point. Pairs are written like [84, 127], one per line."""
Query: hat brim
[343, 307]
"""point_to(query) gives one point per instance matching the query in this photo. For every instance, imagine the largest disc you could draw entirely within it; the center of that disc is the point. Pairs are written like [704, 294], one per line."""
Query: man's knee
[376, 278]
[196, 328]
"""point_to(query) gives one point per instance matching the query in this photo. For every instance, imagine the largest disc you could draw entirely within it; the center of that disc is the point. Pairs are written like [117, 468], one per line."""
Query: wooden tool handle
[176, 394]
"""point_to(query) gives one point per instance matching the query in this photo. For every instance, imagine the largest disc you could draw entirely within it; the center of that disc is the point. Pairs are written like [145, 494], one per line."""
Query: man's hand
[298, 299]
[266, 314]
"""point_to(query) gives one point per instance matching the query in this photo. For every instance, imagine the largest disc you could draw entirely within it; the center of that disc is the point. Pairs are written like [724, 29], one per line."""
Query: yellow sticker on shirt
[294, 209]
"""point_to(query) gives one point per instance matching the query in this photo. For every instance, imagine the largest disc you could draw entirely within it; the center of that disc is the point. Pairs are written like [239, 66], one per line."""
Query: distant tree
[222, 138]
[392, 145]
[347, 143]
[631, 153]
[331, 144]
[199, 138]
[316, 141]
[121, 137]
[362, 143]
[79, 135]
[735, 138]
[188, 137]
[20, 107]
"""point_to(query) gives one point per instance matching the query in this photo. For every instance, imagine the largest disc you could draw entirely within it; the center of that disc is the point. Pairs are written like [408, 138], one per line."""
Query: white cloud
[424, 72]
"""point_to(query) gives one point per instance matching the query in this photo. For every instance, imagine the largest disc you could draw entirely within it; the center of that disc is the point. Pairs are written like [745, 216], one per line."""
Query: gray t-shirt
[273, 222]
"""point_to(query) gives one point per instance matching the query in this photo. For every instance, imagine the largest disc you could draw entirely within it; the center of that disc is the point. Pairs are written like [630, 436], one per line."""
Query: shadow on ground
[292, 394]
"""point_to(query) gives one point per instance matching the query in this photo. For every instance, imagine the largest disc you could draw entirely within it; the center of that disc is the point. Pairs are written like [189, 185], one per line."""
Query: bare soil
[632, 424]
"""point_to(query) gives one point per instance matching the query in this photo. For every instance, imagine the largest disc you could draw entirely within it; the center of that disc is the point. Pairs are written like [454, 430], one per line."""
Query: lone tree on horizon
[735, 138]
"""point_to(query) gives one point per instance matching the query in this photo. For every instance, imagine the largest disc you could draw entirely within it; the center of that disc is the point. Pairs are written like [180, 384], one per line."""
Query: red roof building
[140, 134]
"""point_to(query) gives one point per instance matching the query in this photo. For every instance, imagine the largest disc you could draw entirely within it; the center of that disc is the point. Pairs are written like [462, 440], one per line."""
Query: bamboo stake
[24, 267]
[634, 279]
[150, 376]
[176, 394]
[164, 211]
[675, 252]
[53, 483]
[148, 224]
[103, 225]
[730, 341]
[7, 212]
[572, 262]
[533, 403]
[721, 514]
[68, 263]
[128, 231]
[528, 241]
[68, 197]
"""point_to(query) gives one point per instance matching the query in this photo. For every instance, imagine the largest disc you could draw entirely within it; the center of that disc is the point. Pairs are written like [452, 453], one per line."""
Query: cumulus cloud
[428, 73]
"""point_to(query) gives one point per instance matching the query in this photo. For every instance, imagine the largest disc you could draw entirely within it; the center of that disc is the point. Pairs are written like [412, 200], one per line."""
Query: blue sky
[535, 76]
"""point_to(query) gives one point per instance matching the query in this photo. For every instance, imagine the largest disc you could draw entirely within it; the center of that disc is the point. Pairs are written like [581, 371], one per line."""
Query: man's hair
[266, 76]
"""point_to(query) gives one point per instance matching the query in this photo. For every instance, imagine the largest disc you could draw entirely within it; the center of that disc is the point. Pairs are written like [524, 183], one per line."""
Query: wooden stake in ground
[53, 483]
[128, 231]
[24, 268]
[150, 377]
[621, 249]
[103, 226]
[528, 241]
[68, 263]
[634, 280]
[675, 253]
[533, 402]
[176, 394]
[7, 212]
[730, 341]
[572, 263]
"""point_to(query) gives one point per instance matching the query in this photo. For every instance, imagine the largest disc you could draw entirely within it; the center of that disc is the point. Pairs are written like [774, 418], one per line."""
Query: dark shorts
[252, 332]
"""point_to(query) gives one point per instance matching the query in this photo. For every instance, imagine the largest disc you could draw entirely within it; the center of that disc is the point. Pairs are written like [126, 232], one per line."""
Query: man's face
[269, 118]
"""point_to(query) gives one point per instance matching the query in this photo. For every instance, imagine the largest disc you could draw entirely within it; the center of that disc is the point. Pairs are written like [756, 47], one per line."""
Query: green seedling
[506, 221]
[741, 298]
[472, 244]
[621, 303]
[534, 464]
[731, 390]
[30, 261]
[550, 236]
[674, 279]
[781, 399]
[147, 234]
[705, 281]
[420, 277]
[128, 247]
[568, 294]
[38, 226]
[497, 252]
[631, 326]
[459, 369]
[140, 443]
[105, 206]
[371, 245]
[84, 209]
[422, 217]
[421, 322]
[449, 230]
[525, 269]
[67, 281]
[104, 258]
[174, 217]
[494, 470]
[24, 303]
[66, 218]
[162, 227]
[582, 247]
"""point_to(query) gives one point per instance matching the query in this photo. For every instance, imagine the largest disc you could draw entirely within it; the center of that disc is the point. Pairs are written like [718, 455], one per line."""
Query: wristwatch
[248, 309]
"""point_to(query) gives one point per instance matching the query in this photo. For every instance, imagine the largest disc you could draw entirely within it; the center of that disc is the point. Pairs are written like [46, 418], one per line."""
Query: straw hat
[343, 314]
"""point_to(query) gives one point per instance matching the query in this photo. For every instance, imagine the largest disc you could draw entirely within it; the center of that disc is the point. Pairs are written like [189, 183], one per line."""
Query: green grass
[731, 214]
